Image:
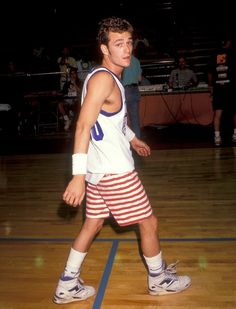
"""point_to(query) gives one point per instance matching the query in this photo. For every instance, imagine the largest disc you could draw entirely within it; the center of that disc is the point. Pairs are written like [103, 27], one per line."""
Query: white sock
[154, 264]
[74, 262]
[217, 133]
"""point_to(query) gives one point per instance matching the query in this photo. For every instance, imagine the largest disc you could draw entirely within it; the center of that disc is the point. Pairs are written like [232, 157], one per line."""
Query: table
[188, 107]
[45, 105]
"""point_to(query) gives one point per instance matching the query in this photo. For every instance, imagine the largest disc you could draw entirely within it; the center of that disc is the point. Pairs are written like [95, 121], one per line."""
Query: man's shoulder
[135, 59]
[191, 71]
[101, 75]
[176, 70]
[101, 71]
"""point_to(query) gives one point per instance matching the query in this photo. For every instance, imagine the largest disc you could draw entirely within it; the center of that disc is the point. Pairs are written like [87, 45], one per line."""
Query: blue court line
[38, 239]
[106, 274]
[115, 242]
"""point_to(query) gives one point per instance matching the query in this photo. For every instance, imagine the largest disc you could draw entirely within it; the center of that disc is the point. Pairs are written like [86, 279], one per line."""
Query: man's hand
[75, 191]
[140, 147]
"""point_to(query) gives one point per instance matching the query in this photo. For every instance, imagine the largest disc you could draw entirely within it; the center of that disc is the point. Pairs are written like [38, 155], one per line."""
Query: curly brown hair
[112, 24]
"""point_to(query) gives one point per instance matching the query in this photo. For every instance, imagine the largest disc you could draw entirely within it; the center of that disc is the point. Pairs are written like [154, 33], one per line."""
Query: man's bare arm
[100, 87]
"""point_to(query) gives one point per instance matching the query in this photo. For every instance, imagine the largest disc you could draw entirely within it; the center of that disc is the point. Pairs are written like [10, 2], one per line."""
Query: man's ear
[104, 49]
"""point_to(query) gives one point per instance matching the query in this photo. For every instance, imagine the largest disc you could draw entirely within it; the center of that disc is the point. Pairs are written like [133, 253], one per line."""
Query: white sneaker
[234, 138]
[72, 289]
[218, 140]
[167, 282]
[71, 114]
[67, 124]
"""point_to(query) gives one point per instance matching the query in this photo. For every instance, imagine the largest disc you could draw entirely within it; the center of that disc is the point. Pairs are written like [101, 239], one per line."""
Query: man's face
[119, 49]
[182, 63]
[73, 76]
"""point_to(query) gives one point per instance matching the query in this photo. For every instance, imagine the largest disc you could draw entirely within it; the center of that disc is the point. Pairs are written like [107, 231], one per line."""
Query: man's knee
[150, 223]
[94, 225]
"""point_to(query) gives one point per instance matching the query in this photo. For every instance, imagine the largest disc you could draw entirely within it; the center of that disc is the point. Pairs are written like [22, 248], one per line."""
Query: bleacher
[198, 46]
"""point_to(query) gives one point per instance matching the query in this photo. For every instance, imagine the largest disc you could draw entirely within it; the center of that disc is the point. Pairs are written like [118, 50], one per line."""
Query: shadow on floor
[176, 136]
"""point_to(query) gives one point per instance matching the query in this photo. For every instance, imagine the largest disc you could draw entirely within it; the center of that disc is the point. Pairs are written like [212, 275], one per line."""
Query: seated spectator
[5, 110]
[84, 65]
[65, 62]
[39, 60]
[69, 105]
[11, 97]
[182, 77]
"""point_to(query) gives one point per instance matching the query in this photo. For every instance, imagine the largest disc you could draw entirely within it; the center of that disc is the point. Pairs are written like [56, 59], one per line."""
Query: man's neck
[113, 68]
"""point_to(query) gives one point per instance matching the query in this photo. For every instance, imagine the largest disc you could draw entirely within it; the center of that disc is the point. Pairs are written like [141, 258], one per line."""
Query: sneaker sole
[164, 292]
[66, 301]
[59, 301]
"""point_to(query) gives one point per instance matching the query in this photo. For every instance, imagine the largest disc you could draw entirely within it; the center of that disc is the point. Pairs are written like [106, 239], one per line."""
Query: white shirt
[109, 148]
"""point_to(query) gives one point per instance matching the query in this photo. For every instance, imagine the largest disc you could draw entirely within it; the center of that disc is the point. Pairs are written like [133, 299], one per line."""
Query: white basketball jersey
[109, 149]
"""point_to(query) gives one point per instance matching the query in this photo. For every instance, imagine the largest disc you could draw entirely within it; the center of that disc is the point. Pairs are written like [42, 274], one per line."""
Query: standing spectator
[102, 157]
[141, 46]
[221, 79]
[131, 77]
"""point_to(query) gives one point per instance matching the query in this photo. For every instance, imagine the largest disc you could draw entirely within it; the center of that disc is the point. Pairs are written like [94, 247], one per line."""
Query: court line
[106, 274]
[115, 242]
[38, 239]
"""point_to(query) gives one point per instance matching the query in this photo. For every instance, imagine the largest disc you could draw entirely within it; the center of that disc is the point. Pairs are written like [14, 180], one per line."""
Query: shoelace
[171, 268]
[81, 281]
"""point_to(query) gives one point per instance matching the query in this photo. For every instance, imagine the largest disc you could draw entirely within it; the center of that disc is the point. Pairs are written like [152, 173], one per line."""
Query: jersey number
[97, 132]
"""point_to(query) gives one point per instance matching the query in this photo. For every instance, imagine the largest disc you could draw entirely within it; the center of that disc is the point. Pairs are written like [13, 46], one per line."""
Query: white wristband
[79, 163]
[129, 134]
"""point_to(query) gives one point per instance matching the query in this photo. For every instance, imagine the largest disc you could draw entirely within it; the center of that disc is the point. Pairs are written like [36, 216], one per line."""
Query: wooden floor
[193, 193]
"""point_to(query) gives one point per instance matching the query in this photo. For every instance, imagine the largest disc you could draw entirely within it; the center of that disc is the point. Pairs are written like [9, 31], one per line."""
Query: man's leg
[70, 287]
[217, 124]
[149, 236]
[234, 133]
[133, 98]
[88, 231]
[161, 280]
[63, 111]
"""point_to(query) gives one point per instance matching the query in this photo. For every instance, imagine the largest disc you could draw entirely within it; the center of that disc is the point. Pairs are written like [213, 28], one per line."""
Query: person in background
[11, 97]
[84, 64]
[131, 77]
[221, 81]
[103, 158]
[141, 45]
[65, 62]
[71, 91]
[182, 77]
[40, 60]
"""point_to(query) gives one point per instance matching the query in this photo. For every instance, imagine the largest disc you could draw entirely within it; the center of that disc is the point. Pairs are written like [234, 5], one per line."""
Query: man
[182, 77]
[131, 77]
[71, 91]
[221, 80]
[65, 62]
[103, 158]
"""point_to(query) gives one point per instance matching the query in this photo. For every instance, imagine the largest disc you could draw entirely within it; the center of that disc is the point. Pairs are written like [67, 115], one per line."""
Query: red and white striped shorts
[121, 195]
